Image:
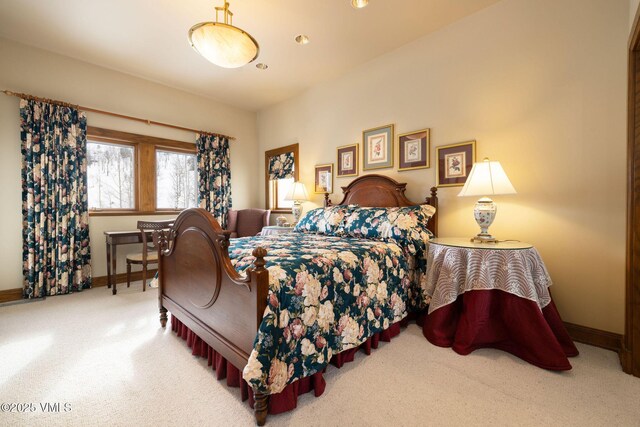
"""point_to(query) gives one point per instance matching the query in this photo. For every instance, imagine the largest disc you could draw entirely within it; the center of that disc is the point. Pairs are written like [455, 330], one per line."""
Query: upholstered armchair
[247, 222]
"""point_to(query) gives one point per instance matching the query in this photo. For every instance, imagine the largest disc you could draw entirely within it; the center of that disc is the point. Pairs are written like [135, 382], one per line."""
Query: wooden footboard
[198, 284]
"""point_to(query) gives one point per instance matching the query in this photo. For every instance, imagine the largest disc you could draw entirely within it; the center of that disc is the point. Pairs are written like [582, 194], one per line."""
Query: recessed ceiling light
[359, 4]
[262, 66]
[302, 39]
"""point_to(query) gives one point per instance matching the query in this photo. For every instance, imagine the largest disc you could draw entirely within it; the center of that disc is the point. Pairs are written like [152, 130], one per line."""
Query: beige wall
[30, 70]
[541, 86]
[633, 8]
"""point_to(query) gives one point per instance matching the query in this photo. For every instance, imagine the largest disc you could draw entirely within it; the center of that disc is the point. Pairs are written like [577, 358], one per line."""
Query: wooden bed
[199, 285]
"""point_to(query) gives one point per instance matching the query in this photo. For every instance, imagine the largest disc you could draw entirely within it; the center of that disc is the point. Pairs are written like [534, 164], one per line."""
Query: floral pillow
[324, 220]
[407, 226]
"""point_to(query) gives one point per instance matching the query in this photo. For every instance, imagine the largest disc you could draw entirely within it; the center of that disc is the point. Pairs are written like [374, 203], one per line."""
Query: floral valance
[282, 166]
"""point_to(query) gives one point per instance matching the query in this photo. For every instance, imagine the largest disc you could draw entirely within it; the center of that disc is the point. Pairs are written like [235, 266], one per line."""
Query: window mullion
[147, 184]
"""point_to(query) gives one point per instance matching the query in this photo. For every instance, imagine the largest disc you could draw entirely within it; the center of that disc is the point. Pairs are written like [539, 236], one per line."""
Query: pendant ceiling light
[223, 44]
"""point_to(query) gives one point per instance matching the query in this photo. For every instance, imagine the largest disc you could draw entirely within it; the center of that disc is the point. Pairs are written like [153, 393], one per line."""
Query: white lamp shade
[224, 45]
[297, 192]
[487, 178]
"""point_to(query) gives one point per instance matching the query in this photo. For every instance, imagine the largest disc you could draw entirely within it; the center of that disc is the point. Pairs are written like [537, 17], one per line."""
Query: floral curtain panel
[214, 175]
[55, 220]
[281, 166]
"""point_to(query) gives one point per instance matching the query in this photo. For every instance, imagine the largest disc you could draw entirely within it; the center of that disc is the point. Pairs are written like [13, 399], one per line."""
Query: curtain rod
[108, 113]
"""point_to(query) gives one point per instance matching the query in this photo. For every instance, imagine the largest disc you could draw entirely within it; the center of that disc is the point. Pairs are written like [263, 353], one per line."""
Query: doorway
[630, 352]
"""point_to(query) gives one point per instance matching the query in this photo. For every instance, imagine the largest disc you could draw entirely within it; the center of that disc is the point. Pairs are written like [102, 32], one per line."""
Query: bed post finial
[259, 253]
[433, 201]
[327, 201]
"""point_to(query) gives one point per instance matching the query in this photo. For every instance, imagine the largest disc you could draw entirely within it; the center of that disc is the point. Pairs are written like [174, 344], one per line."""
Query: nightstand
[274, 229]
[493, 295]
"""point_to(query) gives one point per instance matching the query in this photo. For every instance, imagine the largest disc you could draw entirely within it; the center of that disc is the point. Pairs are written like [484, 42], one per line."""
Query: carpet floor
[105, 360]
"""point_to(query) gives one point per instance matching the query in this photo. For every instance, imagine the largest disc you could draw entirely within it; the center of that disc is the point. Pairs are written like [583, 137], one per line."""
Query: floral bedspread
[327, 294]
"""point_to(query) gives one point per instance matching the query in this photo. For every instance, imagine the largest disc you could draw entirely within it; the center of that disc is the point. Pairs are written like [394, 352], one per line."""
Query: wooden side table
[113, 239]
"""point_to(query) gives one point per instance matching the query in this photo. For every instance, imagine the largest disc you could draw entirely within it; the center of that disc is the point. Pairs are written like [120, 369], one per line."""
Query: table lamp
[297, 193]
[486, 179]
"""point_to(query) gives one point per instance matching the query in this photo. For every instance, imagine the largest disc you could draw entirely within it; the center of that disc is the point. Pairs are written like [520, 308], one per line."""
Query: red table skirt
[288, 398]
[497, 319]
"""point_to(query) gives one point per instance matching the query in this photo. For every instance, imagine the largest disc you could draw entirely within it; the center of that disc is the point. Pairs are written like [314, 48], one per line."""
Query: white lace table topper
[452, 271]
[275, 229]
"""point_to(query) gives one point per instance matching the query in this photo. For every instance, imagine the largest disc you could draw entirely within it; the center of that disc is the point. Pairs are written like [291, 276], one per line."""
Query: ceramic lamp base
[296, 210]
[484, 212]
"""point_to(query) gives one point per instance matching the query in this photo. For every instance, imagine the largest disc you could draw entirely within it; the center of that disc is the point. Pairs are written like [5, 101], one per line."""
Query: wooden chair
[149, 254]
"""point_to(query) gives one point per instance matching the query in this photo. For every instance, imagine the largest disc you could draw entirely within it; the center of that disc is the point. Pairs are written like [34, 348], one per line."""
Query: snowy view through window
[111, 176]
[284, 186]
[176, 180]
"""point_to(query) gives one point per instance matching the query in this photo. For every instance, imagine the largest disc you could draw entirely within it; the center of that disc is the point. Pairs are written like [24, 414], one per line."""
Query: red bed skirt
[497, 319]
[288, 398]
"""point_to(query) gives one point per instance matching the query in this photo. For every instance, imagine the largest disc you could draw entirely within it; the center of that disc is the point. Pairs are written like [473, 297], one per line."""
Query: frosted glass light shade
[487, 178]
[224, 45]
[298, 192]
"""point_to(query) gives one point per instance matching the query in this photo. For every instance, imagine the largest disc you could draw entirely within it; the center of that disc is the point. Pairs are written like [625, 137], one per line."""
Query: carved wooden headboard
[382, 191]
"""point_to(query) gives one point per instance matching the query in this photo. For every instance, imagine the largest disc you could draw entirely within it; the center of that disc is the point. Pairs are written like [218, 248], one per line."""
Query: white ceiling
[148, 38]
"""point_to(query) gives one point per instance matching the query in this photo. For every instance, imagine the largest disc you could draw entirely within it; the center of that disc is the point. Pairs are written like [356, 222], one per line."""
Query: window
[279, 189]
[138, 174]
[110, 176]
[176, 180]
[286, 172]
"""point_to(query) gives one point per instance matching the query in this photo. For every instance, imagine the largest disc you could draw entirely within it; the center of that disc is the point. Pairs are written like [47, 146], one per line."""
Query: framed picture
[413, 150]
[454, 163]
[348, 160]
[377, 148]
[324, 179]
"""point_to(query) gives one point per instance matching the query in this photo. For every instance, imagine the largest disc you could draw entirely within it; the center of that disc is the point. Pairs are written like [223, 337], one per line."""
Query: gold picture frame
[377, 147]
[347, 153]
[323, 179]
[459, 158]
[414, 150]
